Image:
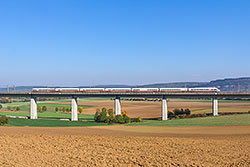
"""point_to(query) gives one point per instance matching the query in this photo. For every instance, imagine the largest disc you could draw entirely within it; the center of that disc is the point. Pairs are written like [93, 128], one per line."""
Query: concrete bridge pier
[117, 106]
[74, 116]
[215, 107]
[164, 108]
[33, 108]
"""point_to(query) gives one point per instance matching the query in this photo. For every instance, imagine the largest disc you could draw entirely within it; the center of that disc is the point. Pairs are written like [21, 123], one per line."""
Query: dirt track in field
[125, 146]
[151, 109]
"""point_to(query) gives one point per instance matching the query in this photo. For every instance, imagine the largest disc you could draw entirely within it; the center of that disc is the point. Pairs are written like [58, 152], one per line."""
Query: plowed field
[149, 109]
[125, 146]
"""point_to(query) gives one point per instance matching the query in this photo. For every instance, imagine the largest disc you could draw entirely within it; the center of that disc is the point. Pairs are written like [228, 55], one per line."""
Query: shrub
[181, 111]
[181, 116]
[104, 109]
[97, 116]
[17, 108]
[103, 116]
[124, 113]
[138, 119]
[119, 119]
[110, 112]
[126, 119]
[4, 120]
[9, 108]
[1, 106]
[187, 111]
[5, 100]
[80, 109]
[171, 115]
[39, 108]
[44, 108]
[56, 109]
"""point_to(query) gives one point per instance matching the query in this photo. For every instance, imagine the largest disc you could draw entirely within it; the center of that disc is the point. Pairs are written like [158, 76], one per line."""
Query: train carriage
[173, 89]
[43, 90]
[117, 89]
[92, 90]
[145, 89]
[67, 89]
[204, 89]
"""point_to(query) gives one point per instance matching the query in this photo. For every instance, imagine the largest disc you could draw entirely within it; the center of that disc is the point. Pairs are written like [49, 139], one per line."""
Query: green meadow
[51, 105]
[226, 120]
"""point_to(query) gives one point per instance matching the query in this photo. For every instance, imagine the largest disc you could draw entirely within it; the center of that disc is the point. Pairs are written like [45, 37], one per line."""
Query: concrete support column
[164, 109]
[33, 108]
[117, 106]
[74, 116]
[215, 107]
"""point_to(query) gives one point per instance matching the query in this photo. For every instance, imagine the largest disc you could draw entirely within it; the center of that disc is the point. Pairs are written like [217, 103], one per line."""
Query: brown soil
[148, 109]
[14, 111]
[125, 146]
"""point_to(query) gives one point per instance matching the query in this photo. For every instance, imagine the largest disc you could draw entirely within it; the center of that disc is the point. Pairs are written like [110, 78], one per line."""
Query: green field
[241, 119]
[50, 123]
[51, 119]
[25, 106]
[50, 115]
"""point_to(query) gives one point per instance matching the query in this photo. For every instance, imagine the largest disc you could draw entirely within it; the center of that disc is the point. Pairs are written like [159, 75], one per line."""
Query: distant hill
[175, 85]
[232, 84]
[226, 85]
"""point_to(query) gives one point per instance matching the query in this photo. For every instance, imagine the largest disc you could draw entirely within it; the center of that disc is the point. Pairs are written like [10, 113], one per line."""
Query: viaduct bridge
[117, 95]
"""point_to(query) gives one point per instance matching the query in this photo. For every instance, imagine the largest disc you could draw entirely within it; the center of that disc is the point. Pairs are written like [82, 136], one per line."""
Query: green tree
[67, 109]
[17, 108]
[119, 119]
[126, 119]
[104, 109]
[110, 112]
[63, 109]
[9, 107]
[39, 108]
[1, 106]
[4, 120]
[44, 108]
[97, 115]
[103, 116]
[56, 109]
[80, 109]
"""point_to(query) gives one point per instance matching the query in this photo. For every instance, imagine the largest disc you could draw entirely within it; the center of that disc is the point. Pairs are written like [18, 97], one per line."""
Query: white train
[205, 89]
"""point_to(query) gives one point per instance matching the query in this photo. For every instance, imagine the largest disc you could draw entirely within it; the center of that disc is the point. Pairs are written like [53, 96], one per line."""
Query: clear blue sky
[87, 42]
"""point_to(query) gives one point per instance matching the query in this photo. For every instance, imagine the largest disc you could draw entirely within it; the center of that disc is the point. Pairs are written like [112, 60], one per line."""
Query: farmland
[125, 146]
[48, 141]
[151, 109]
